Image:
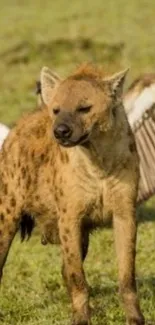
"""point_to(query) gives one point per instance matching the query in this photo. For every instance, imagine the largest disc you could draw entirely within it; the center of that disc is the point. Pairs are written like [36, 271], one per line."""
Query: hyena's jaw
[84, 139]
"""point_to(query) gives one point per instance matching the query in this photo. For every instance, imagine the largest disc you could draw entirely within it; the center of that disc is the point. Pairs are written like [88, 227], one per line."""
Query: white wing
[139, 104]
[4, 130]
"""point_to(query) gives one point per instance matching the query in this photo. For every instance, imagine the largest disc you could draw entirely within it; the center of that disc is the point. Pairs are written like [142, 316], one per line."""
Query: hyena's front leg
[125, 237]
[71, 241]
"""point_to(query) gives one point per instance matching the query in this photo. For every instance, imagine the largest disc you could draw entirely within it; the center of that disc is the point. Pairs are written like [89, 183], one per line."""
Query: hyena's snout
[69, 130]
[63, 131]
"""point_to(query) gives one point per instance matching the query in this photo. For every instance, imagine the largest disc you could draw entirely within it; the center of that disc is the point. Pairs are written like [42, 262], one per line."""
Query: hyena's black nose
[62, 131]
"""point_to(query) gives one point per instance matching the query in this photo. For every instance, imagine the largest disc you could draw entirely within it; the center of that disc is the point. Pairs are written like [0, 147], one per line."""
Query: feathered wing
[139, 104]
[4, 130]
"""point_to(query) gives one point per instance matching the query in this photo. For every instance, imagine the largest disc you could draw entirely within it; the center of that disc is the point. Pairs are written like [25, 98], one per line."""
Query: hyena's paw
[81, 323]
[44, 240]
[81, 319]
[136, 321]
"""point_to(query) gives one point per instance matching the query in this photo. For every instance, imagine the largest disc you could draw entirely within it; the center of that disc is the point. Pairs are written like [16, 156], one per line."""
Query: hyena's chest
[66, 195]
[100, 202]
[96, 212]
[93, 194]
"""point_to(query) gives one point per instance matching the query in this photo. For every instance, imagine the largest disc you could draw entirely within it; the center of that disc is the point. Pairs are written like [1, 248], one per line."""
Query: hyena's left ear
[116, 82]
[48, 81]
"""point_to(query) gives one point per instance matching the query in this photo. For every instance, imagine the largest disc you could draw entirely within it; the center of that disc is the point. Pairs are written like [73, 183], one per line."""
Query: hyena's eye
[56, 110]
[84, 109]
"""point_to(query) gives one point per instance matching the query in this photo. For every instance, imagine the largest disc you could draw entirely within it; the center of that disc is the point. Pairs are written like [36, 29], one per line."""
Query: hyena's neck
[105, 154]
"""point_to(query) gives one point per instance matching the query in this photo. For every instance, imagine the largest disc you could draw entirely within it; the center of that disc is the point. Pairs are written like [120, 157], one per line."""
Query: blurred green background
[61, 34]
[64, 33]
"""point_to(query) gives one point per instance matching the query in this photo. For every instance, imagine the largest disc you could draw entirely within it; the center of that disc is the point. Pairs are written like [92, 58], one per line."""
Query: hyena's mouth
[71, 143]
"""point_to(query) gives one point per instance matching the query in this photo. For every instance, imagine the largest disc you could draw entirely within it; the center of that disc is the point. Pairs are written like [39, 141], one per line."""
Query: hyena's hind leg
[9, 222]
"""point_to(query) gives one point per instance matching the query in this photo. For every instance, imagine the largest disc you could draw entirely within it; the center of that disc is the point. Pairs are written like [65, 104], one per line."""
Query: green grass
[62, 34]
[33, 293]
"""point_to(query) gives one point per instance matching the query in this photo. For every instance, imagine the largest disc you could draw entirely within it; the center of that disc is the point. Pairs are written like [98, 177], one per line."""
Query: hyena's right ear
[48, 81]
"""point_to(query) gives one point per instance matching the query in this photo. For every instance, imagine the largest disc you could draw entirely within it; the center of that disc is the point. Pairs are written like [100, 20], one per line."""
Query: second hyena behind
[73, 165]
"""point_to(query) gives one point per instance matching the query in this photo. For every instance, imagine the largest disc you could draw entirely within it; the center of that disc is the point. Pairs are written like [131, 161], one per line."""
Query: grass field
[61, 34]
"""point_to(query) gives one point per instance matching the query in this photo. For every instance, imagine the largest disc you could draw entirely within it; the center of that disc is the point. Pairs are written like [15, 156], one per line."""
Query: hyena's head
[83, 106]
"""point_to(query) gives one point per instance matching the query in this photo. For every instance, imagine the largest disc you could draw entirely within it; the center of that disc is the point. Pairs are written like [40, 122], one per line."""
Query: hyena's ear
[48, 81]
[116, 82]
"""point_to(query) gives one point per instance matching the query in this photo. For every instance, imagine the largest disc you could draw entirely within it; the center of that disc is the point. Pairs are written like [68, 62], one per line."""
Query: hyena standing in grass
[73, 166]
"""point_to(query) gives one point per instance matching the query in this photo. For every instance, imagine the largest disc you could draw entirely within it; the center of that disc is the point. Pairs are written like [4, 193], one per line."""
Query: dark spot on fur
[0, 201]
[15, 218]
[46, 160]
[132, 147]
[56, 197]
[23, 171]
[66, 249]
[0, 232]
[11, 233]
[54, 173]
[67, 231]
[72, 255]
[61, 156]
[69, 260]
[48, 180]
[1, 243]
[66, 157]
[65, 238]
[101, 200]
[51, 160]
[5, 189]
[64, 210]
[28, 183]
[77, 280]
[23, 196]
[32, 154]
[37, 197]
[61, 192]
[13, 202]
[125, 164]
[19, 164]
[24, 151]
[2, 217]
[8, 211]
[19, 181]
[40, 132]
[42, 157]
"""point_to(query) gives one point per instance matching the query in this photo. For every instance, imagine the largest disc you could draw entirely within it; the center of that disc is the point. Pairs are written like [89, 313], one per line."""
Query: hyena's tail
[26, 226]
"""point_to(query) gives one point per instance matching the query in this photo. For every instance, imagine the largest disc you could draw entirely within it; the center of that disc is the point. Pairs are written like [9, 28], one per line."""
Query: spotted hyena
[72, 166]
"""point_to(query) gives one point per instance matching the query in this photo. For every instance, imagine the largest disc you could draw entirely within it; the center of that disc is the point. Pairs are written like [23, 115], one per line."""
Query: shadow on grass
[111, 289]
[106, 295]
[145, 214]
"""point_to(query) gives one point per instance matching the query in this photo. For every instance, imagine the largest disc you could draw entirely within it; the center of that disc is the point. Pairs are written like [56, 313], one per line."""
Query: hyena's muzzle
[69, 130]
